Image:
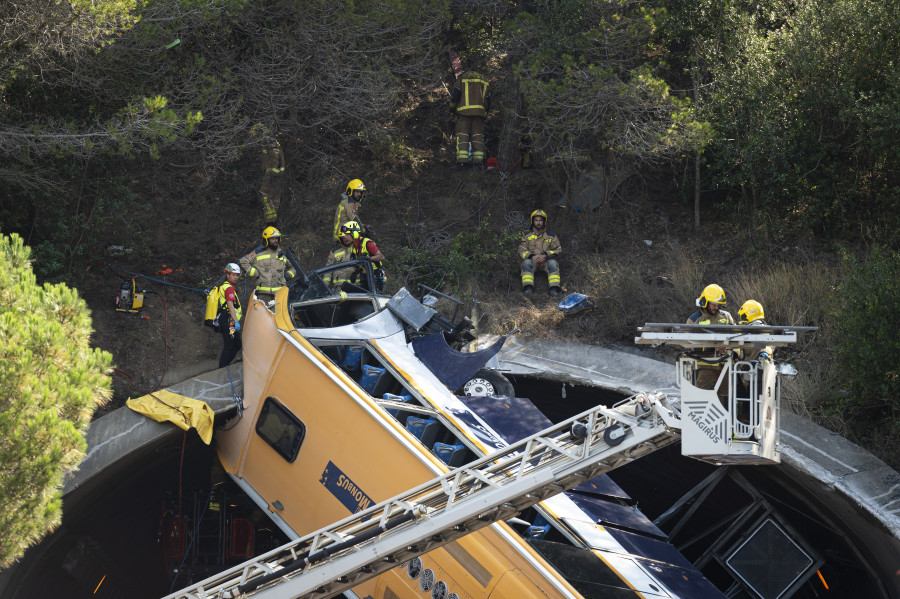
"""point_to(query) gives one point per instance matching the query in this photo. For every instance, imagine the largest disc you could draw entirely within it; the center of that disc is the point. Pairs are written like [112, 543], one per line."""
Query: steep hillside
[638, 255]
[417, 213]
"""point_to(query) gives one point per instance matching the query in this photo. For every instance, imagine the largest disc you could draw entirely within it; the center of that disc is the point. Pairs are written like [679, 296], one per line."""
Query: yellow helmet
[711, 294]
[270, 232]
[750, 311]
[352, 227]
[540, 213]
[354, 185]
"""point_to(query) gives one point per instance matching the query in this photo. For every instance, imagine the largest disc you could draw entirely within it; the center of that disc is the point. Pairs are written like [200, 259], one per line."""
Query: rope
[165, 362]
[193, 536]
[515, 221]
[155, 280]
[436, 240]
[137, 274]
[237, 400]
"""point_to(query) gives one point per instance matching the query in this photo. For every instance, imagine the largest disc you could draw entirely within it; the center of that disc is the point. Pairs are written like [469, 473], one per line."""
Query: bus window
[280, 429]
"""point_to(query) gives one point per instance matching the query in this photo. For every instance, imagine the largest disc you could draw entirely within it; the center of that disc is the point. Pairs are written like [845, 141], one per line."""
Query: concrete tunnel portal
[829, 502]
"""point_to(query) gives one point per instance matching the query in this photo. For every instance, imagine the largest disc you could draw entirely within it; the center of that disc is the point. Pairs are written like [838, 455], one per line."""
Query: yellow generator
[129, 298]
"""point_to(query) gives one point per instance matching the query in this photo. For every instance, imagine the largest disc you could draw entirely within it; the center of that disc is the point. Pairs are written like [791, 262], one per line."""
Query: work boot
[528, 289]
[554, 291]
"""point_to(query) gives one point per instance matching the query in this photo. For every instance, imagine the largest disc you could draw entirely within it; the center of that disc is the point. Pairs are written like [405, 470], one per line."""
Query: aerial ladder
[505, 483]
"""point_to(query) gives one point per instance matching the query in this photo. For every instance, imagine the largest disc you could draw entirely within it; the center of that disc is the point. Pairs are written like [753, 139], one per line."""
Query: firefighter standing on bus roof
[540, 250]
[470, 103]
[229, 315]
[272, 269]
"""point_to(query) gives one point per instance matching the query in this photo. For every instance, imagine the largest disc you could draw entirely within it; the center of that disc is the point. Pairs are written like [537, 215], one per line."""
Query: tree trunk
[510, 133]
[696, 81]
[697, 190]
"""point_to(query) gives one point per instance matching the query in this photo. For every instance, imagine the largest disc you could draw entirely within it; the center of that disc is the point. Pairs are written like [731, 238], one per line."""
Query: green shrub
[476, 254]
[868, 345]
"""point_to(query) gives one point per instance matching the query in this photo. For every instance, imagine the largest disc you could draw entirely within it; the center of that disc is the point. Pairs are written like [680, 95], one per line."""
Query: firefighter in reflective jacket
[271, 269]
[363, 248]
[348, 209]
[711, 302]
[336, 278]
[271, 188]
[470, 103]
[752, 313]
[540, 249]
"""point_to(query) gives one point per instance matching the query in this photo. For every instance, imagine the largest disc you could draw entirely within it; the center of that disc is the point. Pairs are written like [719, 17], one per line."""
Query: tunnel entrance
[752, 531]
[146, 531]
[126, 536]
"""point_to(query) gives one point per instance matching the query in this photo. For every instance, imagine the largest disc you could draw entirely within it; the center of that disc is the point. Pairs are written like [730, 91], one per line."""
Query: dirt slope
[194, 225]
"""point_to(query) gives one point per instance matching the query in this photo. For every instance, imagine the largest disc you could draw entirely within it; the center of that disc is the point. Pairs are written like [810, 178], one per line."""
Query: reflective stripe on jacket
[358, 252]
[534, 243]
[272, 159]
[273, 271]
[340, 276]
[346, 211]
[469, 95]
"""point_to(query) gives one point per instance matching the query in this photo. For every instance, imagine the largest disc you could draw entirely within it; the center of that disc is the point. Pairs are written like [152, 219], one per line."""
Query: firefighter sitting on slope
[271, 268]
[539, 250]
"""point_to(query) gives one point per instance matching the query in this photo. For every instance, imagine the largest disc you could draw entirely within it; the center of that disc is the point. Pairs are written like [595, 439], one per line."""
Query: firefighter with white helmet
[710, 303]
[229, 315]
[348, 209]
[540, 249]
[270, 268]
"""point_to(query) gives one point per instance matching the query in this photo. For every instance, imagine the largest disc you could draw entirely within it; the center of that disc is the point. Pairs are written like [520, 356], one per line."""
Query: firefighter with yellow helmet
[540, 250]
[363, 248]
[348, 209]
[710, 304]
[336, 278]
[271, 269]
[752, 313]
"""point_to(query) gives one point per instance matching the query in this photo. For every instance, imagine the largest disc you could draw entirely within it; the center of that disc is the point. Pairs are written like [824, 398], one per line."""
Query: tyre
[487, 382]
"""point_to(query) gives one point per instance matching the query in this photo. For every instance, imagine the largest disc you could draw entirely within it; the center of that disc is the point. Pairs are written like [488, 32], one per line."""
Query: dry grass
[662, 286]
[793, 294]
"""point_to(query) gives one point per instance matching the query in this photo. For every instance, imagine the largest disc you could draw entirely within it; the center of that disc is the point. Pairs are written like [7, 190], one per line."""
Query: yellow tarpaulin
[185, 412]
